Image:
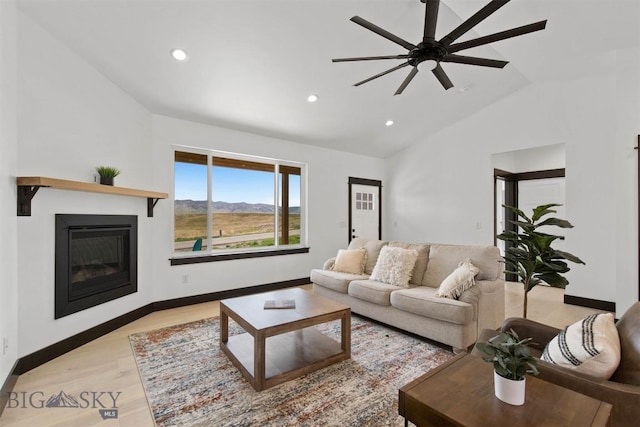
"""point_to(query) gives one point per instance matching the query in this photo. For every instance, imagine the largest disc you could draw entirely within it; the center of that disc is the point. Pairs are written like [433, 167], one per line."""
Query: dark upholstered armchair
[622, 390]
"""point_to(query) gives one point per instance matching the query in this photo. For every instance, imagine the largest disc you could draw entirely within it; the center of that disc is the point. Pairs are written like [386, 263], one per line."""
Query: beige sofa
[417, 309]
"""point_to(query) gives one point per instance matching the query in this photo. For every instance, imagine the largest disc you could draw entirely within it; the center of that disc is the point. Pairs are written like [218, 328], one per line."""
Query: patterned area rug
[190, 382]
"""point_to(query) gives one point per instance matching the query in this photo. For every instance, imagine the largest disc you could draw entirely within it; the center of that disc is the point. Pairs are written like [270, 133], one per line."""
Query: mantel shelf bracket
[151, 203]
[25, 194]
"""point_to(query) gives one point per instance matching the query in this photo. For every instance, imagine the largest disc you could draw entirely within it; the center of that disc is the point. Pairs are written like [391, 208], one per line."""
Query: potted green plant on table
[107, 173]
[512, 360]
[531, 257]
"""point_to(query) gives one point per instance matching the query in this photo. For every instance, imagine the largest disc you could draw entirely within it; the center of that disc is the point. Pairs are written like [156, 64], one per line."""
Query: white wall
[531, 159]
[626, 176]
[328, 173]
[441, 188]
[70, 120]
[8, 169]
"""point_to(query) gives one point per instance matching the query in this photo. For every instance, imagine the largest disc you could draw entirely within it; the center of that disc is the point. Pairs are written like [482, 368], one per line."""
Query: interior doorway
[365, 212]
[525, 191]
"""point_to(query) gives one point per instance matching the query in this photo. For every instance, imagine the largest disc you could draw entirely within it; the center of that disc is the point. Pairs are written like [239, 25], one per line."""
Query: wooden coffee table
[280, 344]
[460, 393]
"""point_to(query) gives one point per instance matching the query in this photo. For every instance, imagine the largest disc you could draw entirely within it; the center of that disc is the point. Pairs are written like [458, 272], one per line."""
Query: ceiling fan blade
[514, 32]
[442, 77]
[382, 74]
[370, 58]
[407, 80]
[384, 33]
[430, 19]
[478, 17]
[472, 60]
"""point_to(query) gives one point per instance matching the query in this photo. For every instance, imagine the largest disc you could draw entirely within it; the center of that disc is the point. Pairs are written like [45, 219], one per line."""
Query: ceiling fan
[443, 50]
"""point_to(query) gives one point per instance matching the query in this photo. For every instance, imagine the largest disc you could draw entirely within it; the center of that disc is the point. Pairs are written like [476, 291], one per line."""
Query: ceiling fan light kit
[443, 50]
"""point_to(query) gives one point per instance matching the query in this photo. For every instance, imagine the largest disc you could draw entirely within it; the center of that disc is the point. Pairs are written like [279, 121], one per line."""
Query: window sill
[193, 259]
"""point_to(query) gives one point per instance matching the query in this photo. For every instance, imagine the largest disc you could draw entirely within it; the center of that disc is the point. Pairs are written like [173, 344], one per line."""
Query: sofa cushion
[443, 259]
[372, 291]
[373, 250]
[394, 266]
[335, 280]
[628, 326]
[350, 261]
[459, 281]
[423, 301]
[421, 261]
[590, 346]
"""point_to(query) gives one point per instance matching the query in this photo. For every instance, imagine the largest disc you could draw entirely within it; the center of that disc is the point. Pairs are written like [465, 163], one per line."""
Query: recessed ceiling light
[312, 98]
[179, 55]
[389, 123]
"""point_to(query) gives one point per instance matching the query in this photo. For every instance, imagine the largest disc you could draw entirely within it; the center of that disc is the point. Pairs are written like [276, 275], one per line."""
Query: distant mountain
[200, 207]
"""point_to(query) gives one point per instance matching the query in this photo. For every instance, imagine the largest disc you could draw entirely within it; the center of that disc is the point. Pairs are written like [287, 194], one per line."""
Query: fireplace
[96, 260]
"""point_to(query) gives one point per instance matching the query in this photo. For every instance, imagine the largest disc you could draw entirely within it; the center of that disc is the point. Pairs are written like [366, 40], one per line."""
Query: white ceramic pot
[509, 391]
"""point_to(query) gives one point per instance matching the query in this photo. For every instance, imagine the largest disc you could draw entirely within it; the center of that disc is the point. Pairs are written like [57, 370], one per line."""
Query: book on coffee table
[279, 303]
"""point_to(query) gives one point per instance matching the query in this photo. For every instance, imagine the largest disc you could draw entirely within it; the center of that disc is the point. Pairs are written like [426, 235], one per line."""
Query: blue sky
[229, 185]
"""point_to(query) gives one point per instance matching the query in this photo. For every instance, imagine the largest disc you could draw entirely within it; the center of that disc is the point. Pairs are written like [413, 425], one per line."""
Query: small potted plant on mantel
[107, 173]
[512, 360]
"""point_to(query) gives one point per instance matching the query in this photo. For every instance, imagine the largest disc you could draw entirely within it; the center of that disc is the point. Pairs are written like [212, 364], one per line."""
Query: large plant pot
[509, 391]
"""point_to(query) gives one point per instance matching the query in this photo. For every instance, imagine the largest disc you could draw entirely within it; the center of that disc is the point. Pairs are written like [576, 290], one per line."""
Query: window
[364, 201]
[225, 203]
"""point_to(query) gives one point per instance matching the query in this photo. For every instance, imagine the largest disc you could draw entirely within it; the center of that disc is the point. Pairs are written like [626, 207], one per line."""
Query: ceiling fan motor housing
[432, 50]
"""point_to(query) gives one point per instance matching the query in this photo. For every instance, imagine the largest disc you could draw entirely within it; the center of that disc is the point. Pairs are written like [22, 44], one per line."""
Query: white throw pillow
[350, 261]
[459, 281]
[394, 266]
[590, 346]
[421, 261]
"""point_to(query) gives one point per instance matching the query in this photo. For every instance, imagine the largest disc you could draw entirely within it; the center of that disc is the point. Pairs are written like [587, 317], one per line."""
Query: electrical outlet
[185, 279]
[5, 345]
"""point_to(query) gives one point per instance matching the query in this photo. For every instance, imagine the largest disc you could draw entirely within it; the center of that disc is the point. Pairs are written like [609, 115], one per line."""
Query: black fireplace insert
[96, 260]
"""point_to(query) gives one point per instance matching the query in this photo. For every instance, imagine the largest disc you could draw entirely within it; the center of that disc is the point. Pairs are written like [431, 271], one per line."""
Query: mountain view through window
[229, 204]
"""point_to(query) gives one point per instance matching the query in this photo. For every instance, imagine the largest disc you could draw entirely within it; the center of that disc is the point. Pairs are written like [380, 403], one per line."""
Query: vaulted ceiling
[252, 63]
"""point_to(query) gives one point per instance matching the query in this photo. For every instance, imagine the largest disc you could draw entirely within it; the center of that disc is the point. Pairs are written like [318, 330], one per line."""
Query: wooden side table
[460, 393]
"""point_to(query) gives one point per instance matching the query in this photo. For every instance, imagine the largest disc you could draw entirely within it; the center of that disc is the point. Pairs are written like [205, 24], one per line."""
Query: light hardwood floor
[107, 364]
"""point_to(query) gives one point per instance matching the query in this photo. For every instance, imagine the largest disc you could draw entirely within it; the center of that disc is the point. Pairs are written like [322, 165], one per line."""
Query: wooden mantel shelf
[29, 185]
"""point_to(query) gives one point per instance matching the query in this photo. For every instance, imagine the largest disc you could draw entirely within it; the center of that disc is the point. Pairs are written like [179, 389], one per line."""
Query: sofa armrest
[490, 304]
[540, 333]
[472, 296]
[328, 264]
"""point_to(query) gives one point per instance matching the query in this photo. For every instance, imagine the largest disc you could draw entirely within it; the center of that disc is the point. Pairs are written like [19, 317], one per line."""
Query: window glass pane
[190, 202]
[289, 208]
[243, 208]
[243, 211]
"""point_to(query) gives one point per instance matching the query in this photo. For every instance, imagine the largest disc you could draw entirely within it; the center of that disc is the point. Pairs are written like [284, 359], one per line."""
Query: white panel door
[536, 192]
[365, 211]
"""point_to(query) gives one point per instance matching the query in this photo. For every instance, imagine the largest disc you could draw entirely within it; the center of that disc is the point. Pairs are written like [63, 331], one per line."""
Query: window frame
[209, 255]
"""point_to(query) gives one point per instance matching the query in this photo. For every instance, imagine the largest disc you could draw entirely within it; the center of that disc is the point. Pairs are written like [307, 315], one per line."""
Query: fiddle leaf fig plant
[510, 355]
[532, 258]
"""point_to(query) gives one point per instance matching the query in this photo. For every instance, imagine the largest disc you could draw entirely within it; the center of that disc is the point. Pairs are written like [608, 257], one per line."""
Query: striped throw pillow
[590, 346]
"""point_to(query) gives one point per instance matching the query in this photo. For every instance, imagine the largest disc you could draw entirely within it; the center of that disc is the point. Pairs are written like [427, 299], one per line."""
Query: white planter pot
[509, 391]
